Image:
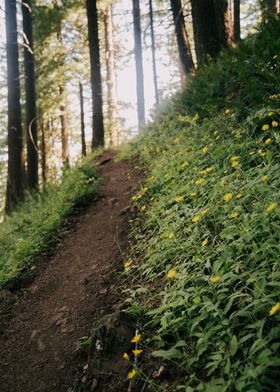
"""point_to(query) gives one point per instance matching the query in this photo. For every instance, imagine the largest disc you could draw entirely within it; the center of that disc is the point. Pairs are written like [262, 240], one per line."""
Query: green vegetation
[33, 227]
[209, 253]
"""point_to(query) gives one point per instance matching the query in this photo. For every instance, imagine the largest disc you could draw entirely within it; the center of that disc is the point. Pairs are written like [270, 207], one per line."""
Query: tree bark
[64, 130]
[111, 77]
[182, 37]
[43, 152]
[224, 22]
[236, 20]
[30, 96]
[83, 140]
[15, 187]
[96, 83]
[153, 47]
[138, 63]
[210, 26]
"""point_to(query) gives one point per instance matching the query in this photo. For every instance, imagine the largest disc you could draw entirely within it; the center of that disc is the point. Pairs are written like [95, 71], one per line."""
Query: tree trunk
[111, 77]
[138, 63]
[83, 140]
[96, 83]
[182, 37]
[224, 23]
[64, 130]
[43, 152]
[30, 96]
[153, 47]
[236, 20]
[210, 27]
[15, 191]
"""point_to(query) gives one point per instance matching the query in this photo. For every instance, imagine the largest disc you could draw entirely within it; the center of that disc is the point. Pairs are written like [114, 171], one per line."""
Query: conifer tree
[15, 184]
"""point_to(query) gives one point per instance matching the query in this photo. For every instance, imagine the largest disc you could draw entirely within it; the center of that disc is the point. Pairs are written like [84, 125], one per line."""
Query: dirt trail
[36, 349]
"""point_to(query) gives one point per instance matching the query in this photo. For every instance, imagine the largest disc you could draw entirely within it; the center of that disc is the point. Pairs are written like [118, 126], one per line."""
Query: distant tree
[30, 97]
[15, 186]
[153, 48]
[96, 83]
[182, 37]
[111, 76]
[64, 129]
[236, 20]
[138, 63]
[212, 29]
[83, 140]
[269, 6]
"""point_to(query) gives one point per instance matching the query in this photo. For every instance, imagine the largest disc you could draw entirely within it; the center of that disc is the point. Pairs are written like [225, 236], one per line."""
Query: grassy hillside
[37, 224]
[206, 265]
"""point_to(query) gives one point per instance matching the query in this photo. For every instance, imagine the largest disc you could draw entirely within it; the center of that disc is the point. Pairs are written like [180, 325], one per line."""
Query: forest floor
[76, 287]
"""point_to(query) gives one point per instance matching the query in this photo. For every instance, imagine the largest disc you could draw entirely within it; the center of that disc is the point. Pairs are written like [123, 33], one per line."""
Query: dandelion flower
[265, 127]
[262, 153]
[143, 208]
[274, 124]
[204, 150]
[136, 338]
[234, 215]
[204, 212]
[270, 114]
[274, 309]
[170, 235]
[132, 374]
[205, 242]
[192, 194]
[137, 352]
[127, 264]
[200, 181]
[228, 196]
[234, 164]
[268, 140]
[265, 178]
[239, 195]
[234, 158]
[171, 274]
[178, 199]
[196, 219]
[215, 279]
[125, 356]
[271, 207]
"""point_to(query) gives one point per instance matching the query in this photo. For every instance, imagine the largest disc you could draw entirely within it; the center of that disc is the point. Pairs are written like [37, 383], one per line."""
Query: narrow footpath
[58, 308]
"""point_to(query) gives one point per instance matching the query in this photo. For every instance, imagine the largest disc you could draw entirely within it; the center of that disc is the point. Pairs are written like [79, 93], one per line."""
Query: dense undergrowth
[206, 266]
[37, 224]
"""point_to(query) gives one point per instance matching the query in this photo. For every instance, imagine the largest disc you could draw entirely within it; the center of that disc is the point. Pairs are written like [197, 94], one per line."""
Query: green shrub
[210, 248]
[33, 227]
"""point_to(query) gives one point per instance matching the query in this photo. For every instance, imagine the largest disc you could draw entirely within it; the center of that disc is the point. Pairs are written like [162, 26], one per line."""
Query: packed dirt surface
[58, 308]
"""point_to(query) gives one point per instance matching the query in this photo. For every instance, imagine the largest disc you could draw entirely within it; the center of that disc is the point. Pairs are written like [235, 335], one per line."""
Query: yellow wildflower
[125, 356]
[265, 178]
[204, 212]
[205, 242]
[274, 309]
[178, 199]
[196, 219]
[171, 274]
[132, 374]
[268, 141]
[200, 181]
[170, 235]
[234, 158]
[215, 279]
[136, 338]
[228, 196]
[184, 164]
[271, 207]
[234, 215]
[127, 264]
[137, 352]
[234, 164]
[265, 127]
[192, 194]
[143, 208]
[262, 153]
[227, 111]
[218, 202]
[204, 150]
[144, 189]
[274, 124]
[239, 195]
[270, 114]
